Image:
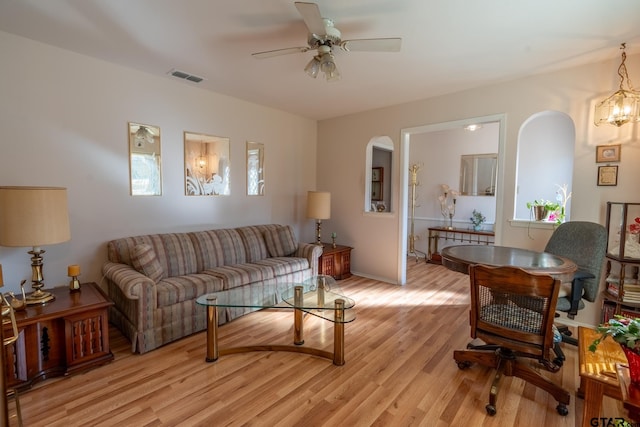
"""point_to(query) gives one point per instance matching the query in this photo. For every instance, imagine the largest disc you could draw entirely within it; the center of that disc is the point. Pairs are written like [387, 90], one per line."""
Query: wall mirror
[144, 160]
[379, 158]
[255, 169]
[478, 174]
[206, 165]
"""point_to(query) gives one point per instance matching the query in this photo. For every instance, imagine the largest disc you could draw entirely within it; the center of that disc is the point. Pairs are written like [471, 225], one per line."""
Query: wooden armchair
[512, 311]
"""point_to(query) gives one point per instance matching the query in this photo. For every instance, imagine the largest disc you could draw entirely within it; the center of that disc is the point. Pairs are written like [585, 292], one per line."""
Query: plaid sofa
[155, 279]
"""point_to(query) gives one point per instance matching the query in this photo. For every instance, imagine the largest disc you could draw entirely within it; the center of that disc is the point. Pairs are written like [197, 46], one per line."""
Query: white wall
[375, 239]
[63, 122]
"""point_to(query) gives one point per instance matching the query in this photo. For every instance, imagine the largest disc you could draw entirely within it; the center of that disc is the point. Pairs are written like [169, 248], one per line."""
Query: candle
[73, 270]
[1, 279]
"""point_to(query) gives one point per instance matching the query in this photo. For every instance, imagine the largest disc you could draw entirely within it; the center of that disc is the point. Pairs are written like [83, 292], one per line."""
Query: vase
[633, 359]
[539, 212]
[477, 227]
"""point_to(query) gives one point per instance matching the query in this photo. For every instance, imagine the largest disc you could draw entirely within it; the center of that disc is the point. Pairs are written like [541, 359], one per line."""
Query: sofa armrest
[132, 283]
[311, 252]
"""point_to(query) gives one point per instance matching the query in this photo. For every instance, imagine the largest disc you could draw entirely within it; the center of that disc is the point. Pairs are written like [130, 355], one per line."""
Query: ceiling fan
[323, 37]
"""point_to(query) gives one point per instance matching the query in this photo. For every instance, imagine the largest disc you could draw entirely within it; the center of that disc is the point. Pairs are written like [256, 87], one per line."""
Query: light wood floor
[399, 371]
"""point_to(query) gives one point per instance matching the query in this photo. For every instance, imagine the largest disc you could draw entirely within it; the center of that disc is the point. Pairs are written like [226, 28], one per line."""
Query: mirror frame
[472, 177]
[255, 168]
[206, 165]
[145, 161]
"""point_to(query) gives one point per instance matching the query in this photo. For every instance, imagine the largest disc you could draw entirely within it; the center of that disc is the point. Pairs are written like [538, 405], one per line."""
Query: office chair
[584, 243]
[512, 311]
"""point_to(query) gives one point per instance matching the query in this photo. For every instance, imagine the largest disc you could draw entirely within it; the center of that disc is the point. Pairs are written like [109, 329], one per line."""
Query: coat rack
[413, 170]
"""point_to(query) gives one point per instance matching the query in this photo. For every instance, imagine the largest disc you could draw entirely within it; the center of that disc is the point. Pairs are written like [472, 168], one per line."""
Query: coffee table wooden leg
[338, 333]
[593, 392]
[212, 333]
[298, 332]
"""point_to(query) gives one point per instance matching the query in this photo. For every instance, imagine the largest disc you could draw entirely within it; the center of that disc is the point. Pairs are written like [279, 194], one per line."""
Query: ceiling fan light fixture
[313, 67]
[624, 105]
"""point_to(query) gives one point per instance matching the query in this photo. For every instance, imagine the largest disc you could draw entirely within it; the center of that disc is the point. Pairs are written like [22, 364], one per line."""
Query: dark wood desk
[459, 258]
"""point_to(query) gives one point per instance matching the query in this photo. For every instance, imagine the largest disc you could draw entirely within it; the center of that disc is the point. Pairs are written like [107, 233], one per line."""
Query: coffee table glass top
[319, 294]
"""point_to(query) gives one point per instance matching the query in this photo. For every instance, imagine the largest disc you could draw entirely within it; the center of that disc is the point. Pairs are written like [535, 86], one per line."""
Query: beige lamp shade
[33, 216]
[319, 204]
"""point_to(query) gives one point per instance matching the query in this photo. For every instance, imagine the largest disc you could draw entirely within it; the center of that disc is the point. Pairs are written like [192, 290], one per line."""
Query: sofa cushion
[232, 246]
[144, 259]
[233, 276]
[208, 248]
[174, 290]
[254, 245]
[280, 241]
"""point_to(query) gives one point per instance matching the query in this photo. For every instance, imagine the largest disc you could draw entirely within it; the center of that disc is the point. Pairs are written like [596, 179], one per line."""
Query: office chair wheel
[464, 365]
[562, 409]
[491, 410]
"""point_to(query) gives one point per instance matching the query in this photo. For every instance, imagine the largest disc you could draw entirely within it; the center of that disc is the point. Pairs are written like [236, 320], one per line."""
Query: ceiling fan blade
[311, 16]
[372, 45]
[278, 52]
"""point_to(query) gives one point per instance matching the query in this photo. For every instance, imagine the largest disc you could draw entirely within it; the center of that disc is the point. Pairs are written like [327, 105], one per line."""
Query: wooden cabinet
[335, 262]
[68, 334]
[622, 286]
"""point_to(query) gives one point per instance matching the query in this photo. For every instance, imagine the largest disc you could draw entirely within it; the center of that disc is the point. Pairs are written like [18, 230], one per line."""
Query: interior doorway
[416, 134]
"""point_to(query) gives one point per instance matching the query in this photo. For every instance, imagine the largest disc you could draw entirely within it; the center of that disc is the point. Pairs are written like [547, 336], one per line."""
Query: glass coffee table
[318, 296]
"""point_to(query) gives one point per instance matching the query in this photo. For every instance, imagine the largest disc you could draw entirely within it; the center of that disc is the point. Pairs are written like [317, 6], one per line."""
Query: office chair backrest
[513, 308]
[584, 243]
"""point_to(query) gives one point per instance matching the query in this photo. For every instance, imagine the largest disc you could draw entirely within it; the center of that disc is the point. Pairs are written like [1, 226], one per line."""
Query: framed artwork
[206, 165]
[145, 176]
[376, 174]
[255, 169]
[376, 191]
[607, 175]
[607, 153]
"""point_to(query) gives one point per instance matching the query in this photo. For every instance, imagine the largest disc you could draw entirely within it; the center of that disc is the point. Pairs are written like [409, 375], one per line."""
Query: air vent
[186, 76]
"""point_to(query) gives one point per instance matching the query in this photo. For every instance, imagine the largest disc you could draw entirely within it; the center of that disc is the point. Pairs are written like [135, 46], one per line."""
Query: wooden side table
[335, 262]
[68, 334]
[630, 393]
[598, 372]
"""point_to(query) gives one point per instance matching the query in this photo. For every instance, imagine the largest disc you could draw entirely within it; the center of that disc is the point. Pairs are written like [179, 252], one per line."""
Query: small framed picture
[608, 175]
[607, 153]
[376, 174]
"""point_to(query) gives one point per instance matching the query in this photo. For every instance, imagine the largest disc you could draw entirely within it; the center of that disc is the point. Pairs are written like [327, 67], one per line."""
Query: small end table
[335, 262]
[66, 335]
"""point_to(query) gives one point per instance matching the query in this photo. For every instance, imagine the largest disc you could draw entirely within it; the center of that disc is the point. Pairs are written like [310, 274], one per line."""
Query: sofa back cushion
[280, 241]
[144, 259]
[174, 252]
[232, 246]
[209, 249]
[253, 240]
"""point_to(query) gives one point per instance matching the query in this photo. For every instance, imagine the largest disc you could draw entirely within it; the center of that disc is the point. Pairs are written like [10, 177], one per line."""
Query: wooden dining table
[460, 257]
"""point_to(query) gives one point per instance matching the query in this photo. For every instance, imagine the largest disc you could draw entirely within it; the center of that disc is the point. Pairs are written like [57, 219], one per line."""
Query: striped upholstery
[152, 309]
[280, 241]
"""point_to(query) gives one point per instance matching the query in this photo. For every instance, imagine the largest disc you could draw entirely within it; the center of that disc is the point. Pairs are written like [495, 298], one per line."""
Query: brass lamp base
[39, 297]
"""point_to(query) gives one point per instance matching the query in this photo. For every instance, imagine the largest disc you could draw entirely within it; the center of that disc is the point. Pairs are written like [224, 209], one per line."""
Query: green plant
[477, 218]
[623, 330]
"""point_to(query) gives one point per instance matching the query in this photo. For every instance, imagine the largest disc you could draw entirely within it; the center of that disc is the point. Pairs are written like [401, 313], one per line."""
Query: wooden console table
[68, 334]
[335, 262]
[457, 235]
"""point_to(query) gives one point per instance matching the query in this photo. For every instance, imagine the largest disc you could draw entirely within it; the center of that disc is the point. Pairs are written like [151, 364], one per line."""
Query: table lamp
[34, 216]
[318, 208]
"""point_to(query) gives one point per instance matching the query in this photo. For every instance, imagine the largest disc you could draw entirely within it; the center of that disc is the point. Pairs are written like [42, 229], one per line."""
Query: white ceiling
[448, 45]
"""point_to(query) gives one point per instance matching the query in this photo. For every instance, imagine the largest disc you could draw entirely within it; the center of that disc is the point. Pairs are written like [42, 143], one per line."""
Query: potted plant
[477, 219]
[626, 332]
[541, 208]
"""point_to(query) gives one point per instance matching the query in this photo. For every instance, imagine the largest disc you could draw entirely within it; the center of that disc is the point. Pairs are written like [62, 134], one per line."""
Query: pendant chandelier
[624, 105]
